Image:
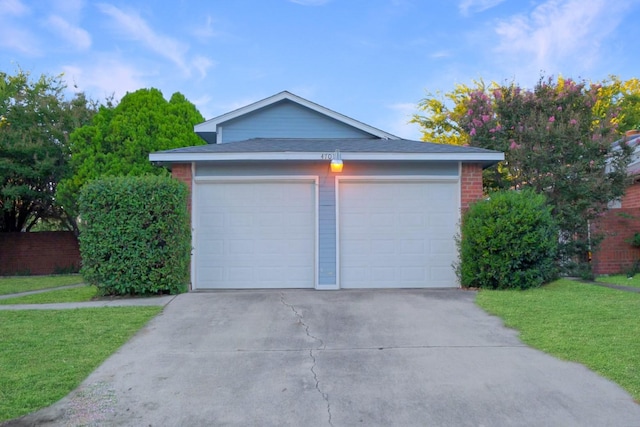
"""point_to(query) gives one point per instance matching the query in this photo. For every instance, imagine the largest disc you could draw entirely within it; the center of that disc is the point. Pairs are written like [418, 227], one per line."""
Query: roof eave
[484, 158]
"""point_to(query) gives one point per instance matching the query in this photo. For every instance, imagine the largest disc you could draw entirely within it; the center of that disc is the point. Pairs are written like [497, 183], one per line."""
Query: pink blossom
[552, 119]
[559, 107]
[573, 122]
[485, 118]
[497, 94]
[513, 145]
[470, 112]
[473, 131]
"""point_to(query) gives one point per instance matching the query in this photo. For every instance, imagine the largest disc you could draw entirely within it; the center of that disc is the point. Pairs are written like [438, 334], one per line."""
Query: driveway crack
[321, 346]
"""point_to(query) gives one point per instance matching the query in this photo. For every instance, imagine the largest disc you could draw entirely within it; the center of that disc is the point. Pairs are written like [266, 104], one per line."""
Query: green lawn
[621, 279]
[592, 325]
[81, 294]
[12, 285]
[45, 354]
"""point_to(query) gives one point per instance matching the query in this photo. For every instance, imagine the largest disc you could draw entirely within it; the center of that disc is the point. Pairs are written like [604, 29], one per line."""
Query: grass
[81, 294]
[12, 285]
[45, 354]
[621, 279]
[592, 325]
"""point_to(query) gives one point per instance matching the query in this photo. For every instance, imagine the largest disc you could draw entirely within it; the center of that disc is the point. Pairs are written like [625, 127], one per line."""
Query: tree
[35, 124]
[558, 144]
[439, 123]
[119, 139]
[625, 96]
[441, 114]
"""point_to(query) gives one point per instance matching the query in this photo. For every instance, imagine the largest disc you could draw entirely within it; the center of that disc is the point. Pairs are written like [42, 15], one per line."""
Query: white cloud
[310, 2]
[202, 64]
[13, 36]
[440, 54]
[13, 7]
[104, 77]
[397, 121]
[475, 6]
[558, 32]
[136, 28]
[77, 36]
[70, 9]
[206, 31]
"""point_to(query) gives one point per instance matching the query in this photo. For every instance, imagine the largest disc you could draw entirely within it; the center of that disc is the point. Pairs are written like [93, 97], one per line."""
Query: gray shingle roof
[283, 145]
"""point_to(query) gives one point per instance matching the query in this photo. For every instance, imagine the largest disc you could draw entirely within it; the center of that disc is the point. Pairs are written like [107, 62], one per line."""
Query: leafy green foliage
[508, 241]
[119, 139]
[35, 123]
[557, 144]
[135, 236]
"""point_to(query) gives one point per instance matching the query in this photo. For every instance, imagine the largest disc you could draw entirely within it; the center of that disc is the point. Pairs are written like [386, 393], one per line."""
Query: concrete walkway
[345, 358]
[40, 291]
[115, 302]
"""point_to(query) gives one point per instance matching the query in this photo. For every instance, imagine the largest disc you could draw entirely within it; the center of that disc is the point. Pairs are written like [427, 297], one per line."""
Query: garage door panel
[397, 233]
[255, 234]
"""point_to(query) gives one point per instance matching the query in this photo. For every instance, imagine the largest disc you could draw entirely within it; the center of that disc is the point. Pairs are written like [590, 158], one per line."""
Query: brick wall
[631, 197]
[614, 255]
[182, 172]
[471, 184]
[44, 252]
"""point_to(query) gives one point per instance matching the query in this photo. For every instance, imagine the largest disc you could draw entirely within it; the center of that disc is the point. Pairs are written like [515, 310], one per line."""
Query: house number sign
[327, 156]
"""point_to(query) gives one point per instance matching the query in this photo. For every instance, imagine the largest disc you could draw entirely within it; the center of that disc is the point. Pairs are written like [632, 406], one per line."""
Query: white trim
[381, 178]
[346, 157]
[193, 227]
[255, 178]
[195, 180]
[211, 125]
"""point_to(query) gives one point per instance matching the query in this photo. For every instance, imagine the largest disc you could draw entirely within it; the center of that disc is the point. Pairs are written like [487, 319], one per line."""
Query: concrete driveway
[346, 358]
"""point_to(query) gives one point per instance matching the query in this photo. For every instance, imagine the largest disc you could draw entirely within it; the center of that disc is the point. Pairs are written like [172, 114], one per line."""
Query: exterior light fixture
[336, 162]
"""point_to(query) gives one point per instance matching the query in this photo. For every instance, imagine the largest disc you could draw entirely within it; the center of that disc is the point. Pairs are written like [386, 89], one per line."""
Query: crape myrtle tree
[441, 114]
[557, 141]
[35, 123]
[120, 137]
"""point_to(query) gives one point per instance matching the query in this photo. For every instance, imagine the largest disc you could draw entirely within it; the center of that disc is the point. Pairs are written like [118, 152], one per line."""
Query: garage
[255, 234]
[397, 233]
[286, 193]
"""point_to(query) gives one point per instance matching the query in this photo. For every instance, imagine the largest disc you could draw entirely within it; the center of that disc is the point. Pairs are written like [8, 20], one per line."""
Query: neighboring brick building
[620, 223]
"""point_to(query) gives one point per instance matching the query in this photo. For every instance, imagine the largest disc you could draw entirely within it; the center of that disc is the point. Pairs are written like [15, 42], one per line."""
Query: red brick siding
[471, 184]
[38, 253]
[631, 197]
[182, 172]
[614, 255]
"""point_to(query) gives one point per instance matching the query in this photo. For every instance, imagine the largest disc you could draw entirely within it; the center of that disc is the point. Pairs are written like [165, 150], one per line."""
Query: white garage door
[255, 234]
[397, 234]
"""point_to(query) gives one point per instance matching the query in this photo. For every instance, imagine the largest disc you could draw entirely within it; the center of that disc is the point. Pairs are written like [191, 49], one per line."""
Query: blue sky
[372, 60]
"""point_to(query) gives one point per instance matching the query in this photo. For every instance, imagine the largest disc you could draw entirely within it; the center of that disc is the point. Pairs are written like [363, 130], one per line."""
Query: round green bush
[135, 237]
[508, 241]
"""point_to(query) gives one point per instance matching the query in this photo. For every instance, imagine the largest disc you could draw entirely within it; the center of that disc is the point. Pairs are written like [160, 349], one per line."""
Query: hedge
[508, 241]
[135, 237]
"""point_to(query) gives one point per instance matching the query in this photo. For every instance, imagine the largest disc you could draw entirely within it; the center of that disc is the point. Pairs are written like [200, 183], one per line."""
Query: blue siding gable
[287, 119]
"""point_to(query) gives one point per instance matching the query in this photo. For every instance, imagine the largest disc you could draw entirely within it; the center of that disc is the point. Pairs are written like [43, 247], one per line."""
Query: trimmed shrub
[135, 236]
[508, 241]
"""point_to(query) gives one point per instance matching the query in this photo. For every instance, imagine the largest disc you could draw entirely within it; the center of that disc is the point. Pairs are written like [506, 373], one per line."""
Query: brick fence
[45, 252]
[615, 254]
